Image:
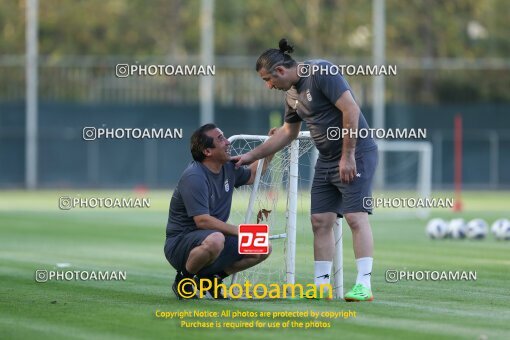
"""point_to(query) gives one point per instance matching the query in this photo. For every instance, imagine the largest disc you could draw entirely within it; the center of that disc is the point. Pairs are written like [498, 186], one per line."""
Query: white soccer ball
[437, 228]
[477, 229]
[501, 229]
[457, 228]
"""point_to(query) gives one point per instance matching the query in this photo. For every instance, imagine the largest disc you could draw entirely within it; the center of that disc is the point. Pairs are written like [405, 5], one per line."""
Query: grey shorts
[329, 194]
[177, 251]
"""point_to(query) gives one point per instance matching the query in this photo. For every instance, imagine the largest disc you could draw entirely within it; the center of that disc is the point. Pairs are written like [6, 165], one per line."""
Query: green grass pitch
[35, 234]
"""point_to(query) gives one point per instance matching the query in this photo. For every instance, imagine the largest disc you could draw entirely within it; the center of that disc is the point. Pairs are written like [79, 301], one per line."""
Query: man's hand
[350, 119]
[247, 158]
[347, 168]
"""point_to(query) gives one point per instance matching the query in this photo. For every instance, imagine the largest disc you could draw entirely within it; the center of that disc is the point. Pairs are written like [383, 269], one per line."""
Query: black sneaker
[216, 280]
[188, 290]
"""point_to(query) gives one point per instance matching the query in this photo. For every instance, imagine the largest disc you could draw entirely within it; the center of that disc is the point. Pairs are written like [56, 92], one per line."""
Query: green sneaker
[359, 293]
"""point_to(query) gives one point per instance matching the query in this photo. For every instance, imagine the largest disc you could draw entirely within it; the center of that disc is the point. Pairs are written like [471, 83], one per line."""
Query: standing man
[199, 242]
[345, 167]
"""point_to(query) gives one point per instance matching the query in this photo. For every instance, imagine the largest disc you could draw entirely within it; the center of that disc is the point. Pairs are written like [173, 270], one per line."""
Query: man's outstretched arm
[267, 161]
[283, 136]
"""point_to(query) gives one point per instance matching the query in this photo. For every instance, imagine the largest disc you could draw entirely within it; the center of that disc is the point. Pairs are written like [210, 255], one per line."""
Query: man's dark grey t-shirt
[313, 100]
[200, 191]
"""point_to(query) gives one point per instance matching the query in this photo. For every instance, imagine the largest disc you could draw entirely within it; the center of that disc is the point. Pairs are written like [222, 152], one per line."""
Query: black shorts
[177, 251]
[329, 194]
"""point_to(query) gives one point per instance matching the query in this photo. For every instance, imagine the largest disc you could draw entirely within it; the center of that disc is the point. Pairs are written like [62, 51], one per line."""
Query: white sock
[364, 265]
[322, 272]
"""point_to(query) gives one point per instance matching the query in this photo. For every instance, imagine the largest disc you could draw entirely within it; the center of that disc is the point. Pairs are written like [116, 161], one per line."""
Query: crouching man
[199, 242]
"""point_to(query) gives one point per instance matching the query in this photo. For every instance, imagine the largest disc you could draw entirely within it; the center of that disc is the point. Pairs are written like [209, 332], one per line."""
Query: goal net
[280, 198]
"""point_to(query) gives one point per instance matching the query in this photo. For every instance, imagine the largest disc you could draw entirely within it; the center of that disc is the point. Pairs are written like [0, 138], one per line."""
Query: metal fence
[83, 91]
[93, 79]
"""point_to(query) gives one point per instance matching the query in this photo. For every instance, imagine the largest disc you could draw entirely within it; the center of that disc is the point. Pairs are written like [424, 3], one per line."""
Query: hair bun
[285, 47]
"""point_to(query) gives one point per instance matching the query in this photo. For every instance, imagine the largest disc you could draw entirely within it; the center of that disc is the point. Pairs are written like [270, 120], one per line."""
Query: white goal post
[423, 164]
[285, 170]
